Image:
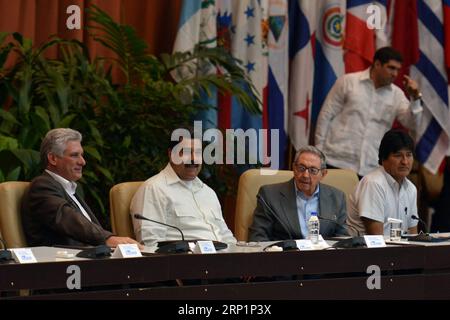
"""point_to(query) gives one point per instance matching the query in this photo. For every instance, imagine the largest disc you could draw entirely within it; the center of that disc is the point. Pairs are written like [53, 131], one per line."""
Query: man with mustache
[52, 212]
[176, 196]
[283, 210]
[386, 192]
[360, 108]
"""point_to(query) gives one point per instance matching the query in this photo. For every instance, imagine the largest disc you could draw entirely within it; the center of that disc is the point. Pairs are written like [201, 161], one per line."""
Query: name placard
[127, 251]
[23, 255]
[204, 247]
[374, 241]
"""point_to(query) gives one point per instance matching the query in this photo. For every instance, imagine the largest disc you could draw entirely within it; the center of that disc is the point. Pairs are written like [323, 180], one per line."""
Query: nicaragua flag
[197, 25]
[275, 113]
[430, 72]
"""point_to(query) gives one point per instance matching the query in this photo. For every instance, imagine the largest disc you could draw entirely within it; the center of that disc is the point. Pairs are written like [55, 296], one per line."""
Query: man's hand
[411, 87]
[113, 241]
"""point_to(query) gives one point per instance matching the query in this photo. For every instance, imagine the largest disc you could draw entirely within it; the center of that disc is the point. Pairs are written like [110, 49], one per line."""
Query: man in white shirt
[52, 212]
[360, 108]
[386, 192]
[176, 196]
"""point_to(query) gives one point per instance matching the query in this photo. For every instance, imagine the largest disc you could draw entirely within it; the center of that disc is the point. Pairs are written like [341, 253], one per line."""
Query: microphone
[337, 224]
[352, 242]
[171, 246]
[286, 245]
[5, 254]
[414, 217]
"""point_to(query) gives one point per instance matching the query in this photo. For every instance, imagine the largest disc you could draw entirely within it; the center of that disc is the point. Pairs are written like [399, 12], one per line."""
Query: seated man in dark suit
[283, 209]
[52, 213]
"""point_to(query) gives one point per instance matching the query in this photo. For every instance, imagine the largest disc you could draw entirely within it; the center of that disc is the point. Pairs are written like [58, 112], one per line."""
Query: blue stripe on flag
[324, 78]
[433, 75]
[299, 31]
[275, 113]
[430, 21]
[446, 2]
[355, 3]
[428, 140]
[190, 7]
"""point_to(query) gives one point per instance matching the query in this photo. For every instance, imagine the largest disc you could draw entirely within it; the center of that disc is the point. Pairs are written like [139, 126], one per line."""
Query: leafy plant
[126, 125]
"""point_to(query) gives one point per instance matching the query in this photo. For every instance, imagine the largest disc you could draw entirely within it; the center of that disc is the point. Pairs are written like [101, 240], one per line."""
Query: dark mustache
[191, 165]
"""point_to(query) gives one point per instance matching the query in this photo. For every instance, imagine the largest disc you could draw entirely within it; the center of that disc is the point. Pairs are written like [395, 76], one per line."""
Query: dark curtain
[155, 20]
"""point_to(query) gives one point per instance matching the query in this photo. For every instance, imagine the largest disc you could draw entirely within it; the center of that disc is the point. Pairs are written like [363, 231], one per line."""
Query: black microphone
[414, 217]
[168, 246]
[352, 242]
[5, 254]
[286, 245]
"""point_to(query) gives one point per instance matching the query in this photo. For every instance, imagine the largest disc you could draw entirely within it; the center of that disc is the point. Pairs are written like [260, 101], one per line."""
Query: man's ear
[51, 158]
[324, 172]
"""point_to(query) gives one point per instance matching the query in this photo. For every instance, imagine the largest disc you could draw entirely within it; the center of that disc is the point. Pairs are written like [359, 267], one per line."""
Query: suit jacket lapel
[288, 204]
[86, 207]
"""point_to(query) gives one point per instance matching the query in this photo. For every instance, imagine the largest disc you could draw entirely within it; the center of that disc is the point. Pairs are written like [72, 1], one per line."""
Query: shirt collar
[303, 196]
[172, 178]
[69, 186]
[365, 76]
[392, 182]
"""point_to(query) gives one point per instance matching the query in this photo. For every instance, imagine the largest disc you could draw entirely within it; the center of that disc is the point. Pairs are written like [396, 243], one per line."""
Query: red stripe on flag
[405, 35]
[360, 44]
[446, 9]
[224, 112]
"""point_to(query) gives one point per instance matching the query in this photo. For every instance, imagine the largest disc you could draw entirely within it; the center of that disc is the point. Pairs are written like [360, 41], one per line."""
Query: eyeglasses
[312, 170]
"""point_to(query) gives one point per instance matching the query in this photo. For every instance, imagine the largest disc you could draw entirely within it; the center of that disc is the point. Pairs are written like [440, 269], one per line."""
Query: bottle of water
[313, 228]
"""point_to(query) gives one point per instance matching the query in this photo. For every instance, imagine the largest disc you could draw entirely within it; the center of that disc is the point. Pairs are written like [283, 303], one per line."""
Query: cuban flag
[430, 73]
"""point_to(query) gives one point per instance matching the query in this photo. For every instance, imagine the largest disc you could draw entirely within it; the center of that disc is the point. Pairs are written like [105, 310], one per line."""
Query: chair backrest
[120, 197]
[251, 180]
[11, 194]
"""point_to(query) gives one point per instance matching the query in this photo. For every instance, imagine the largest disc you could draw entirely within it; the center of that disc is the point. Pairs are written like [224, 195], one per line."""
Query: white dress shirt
[355, 117]
[70, 187]
[378, 197]
[193, 207]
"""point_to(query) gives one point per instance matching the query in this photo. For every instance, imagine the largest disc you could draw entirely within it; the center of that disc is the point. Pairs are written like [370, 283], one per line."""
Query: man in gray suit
[283, 209]
[52, 212]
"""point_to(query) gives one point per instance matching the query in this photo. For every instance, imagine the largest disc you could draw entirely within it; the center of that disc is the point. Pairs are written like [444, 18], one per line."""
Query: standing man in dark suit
[283, 210]
[52, 213]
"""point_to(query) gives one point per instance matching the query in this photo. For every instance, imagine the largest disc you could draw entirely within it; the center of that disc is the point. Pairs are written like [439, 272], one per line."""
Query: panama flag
[430, 72]
[366, 30]
[197, 25]
[329, 62]
[302, 26]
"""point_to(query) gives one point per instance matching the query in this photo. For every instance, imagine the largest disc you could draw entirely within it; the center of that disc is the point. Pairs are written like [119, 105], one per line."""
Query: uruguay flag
[430, 72]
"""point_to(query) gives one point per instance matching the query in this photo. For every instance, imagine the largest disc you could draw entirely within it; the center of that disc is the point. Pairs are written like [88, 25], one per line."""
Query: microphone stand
[172, 247]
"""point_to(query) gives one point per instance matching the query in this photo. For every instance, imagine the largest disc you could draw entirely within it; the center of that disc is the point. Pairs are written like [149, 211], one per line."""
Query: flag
[361, 40]
[328, 62]
[197, 25]
[430, 73]
[275, 113]
[302, 26]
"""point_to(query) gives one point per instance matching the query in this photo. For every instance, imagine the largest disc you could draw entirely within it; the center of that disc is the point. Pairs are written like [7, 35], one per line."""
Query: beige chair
[11, 194]
[251, 180]
[120, 197]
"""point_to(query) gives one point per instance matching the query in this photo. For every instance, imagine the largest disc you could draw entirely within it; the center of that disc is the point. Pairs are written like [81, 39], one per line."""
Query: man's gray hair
[55, 142]
[313, 150]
